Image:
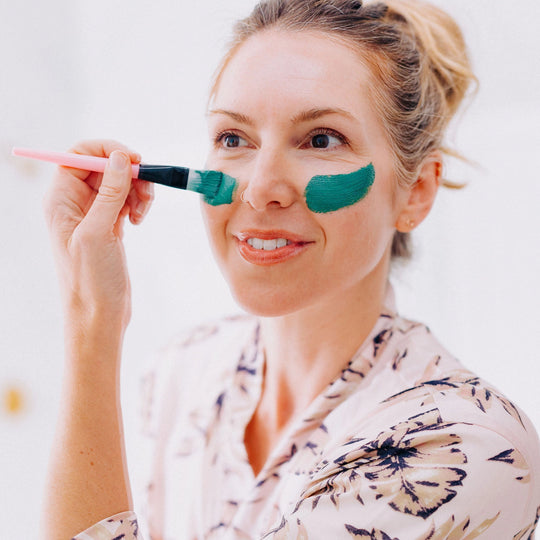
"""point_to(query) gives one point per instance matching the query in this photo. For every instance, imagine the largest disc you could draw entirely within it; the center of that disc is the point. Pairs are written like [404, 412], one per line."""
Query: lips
[270, 247]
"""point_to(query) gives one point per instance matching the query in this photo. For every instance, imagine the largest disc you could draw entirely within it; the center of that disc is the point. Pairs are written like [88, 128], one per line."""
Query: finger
[119, 225]
[100, 148]
[140, 199]
[145, 190]
[103, 148]
[146, 194]
[113, 191]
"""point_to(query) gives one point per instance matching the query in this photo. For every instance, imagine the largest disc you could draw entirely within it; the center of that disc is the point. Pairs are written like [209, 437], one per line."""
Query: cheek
[330, 193]
[215, 220]
[360, 234]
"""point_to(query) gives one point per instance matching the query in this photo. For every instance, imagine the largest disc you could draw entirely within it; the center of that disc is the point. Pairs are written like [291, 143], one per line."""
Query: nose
[270, 181]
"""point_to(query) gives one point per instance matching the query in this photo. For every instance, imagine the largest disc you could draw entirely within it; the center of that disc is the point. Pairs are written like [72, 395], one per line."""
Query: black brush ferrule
[166, 175]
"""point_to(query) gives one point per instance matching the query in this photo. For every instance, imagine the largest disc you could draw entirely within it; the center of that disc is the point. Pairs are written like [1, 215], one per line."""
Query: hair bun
[444, 47]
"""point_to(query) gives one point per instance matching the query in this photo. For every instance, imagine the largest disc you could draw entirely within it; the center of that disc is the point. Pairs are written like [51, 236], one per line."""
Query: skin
[316, 306]
[85, 213]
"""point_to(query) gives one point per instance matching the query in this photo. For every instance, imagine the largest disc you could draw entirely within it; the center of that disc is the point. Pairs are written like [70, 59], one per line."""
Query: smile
[264, 248]
[268, 245]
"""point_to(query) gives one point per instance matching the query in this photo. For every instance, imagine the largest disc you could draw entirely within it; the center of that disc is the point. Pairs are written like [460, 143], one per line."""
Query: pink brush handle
[76, 161]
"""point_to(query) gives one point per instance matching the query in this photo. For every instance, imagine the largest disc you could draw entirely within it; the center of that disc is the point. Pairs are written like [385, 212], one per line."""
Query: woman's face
[290, 106]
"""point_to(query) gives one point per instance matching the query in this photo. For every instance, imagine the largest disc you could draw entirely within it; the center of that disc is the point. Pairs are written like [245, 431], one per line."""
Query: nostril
[267, 190]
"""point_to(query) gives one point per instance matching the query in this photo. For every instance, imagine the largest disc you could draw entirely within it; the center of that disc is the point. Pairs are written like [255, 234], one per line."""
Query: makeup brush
[216, 187]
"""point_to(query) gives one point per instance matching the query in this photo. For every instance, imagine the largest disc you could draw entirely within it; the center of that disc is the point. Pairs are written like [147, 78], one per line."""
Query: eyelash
[218, 139]
[222, 134]
[328, 131]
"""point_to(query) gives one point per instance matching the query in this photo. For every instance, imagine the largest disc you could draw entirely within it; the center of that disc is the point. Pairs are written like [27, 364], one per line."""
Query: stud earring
[407, 224]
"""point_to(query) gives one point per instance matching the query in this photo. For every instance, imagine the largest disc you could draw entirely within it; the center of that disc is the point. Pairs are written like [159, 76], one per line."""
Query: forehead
[281, 68]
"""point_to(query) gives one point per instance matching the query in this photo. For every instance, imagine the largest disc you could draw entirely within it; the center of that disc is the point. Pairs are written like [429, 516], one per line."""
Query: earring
[243, 196]
[411, 223]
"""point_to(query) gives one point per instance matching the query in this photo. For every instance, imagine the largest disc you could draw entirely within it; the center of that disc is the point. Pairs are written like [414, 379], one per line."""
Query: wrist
[93, 344]
[83, 317]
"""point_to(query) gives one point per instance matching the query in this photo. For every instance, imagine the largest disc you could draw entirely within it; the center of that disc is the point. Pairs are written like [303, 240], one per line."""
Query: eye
[228, 139]
[325, 139]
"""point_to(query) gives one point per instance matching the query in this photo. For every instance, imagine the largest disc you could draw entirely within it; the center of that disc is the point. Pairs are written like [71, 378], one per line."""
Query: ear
[421, 195]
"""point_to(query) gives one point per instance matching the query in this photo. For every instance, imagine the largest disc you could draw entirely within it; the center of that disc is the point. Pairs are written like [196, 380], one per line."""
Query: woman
[326, 415]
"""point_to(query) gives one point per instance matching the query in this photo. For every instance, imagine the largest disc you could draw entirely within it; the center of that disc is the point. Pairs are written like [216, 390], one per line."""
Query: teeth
[267, 245]
[256, 243]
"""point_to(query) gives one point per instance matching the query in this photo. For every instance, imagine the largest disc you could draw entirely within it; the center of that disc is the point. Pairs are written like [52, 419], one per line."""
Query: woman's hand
[85, 212]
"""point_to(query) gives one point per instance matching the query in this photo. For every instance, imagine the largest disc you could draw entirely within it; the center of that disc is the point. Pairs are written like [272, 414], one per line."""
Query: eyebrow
[241, 118]
[314, 114]
[304, 116]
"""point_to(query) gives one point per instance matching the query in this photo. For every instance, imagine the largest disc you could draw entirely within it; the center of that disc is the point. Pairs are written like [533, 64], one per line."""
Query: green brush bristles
[216, 187]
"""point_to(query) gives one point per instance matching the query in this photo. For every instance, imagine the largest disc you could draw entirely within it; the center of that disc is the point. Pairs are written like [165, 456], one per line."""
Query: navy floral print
[406, 444]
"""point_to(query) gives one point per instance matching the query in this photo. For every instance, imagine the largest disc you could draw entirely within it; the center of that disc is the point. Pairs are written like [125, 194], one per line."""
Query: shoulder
[213, 345]
[223, 332]
[431, 445]
[194, 366]
[431, 440]
[429, 377]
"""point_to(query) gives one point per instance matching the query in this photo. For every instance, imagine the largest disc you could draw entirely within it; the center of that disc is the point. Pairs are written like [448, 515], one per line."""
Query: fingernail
[117, 161]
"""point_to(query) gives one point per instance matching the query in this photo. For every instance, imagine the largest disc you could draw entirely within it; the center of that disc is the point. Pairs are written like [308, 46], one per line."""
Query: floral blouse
[406, 444]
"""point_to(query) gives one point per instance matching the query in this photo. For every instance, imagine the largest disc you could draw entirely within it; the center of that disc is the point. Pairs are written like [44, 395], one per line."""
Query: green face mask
[328, 193]
[324, 193]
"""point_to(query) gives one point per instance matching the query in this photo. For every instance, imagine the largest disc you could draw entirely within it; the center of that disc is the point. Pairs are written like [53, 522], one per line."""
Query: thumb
[112, 193]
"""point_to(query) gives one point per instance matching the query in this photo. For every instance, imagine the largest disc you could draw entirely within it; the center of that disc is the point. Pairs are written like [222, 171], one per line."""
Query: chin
[267, 304]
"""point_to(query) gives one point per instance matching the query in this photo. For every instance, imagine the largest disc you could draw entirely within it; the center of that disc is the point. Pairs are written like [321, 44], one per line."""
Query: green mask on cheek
[328, 193]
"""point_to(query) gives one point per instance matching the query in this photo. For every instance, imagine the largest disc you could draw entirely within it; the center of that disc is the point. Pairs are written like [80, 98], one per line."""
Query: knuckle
[110, 192]
[109, 146]
[84, 237]
[84, 146]
[101, 147]
[147, 199]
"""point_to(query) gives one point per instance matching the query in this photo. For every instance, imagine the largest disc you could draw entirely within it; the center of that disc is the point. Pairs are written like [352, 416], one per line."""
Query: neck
[313, 346]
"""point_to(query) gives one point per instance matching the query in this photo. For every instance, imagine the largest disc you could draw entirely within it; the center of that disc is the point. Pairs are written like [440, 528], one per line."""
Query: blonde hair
[417, 56]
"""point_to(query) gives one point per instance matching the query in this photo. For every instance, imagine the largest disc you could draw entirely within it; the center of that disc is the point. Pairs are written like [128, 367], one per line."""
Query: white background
[139, 72]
